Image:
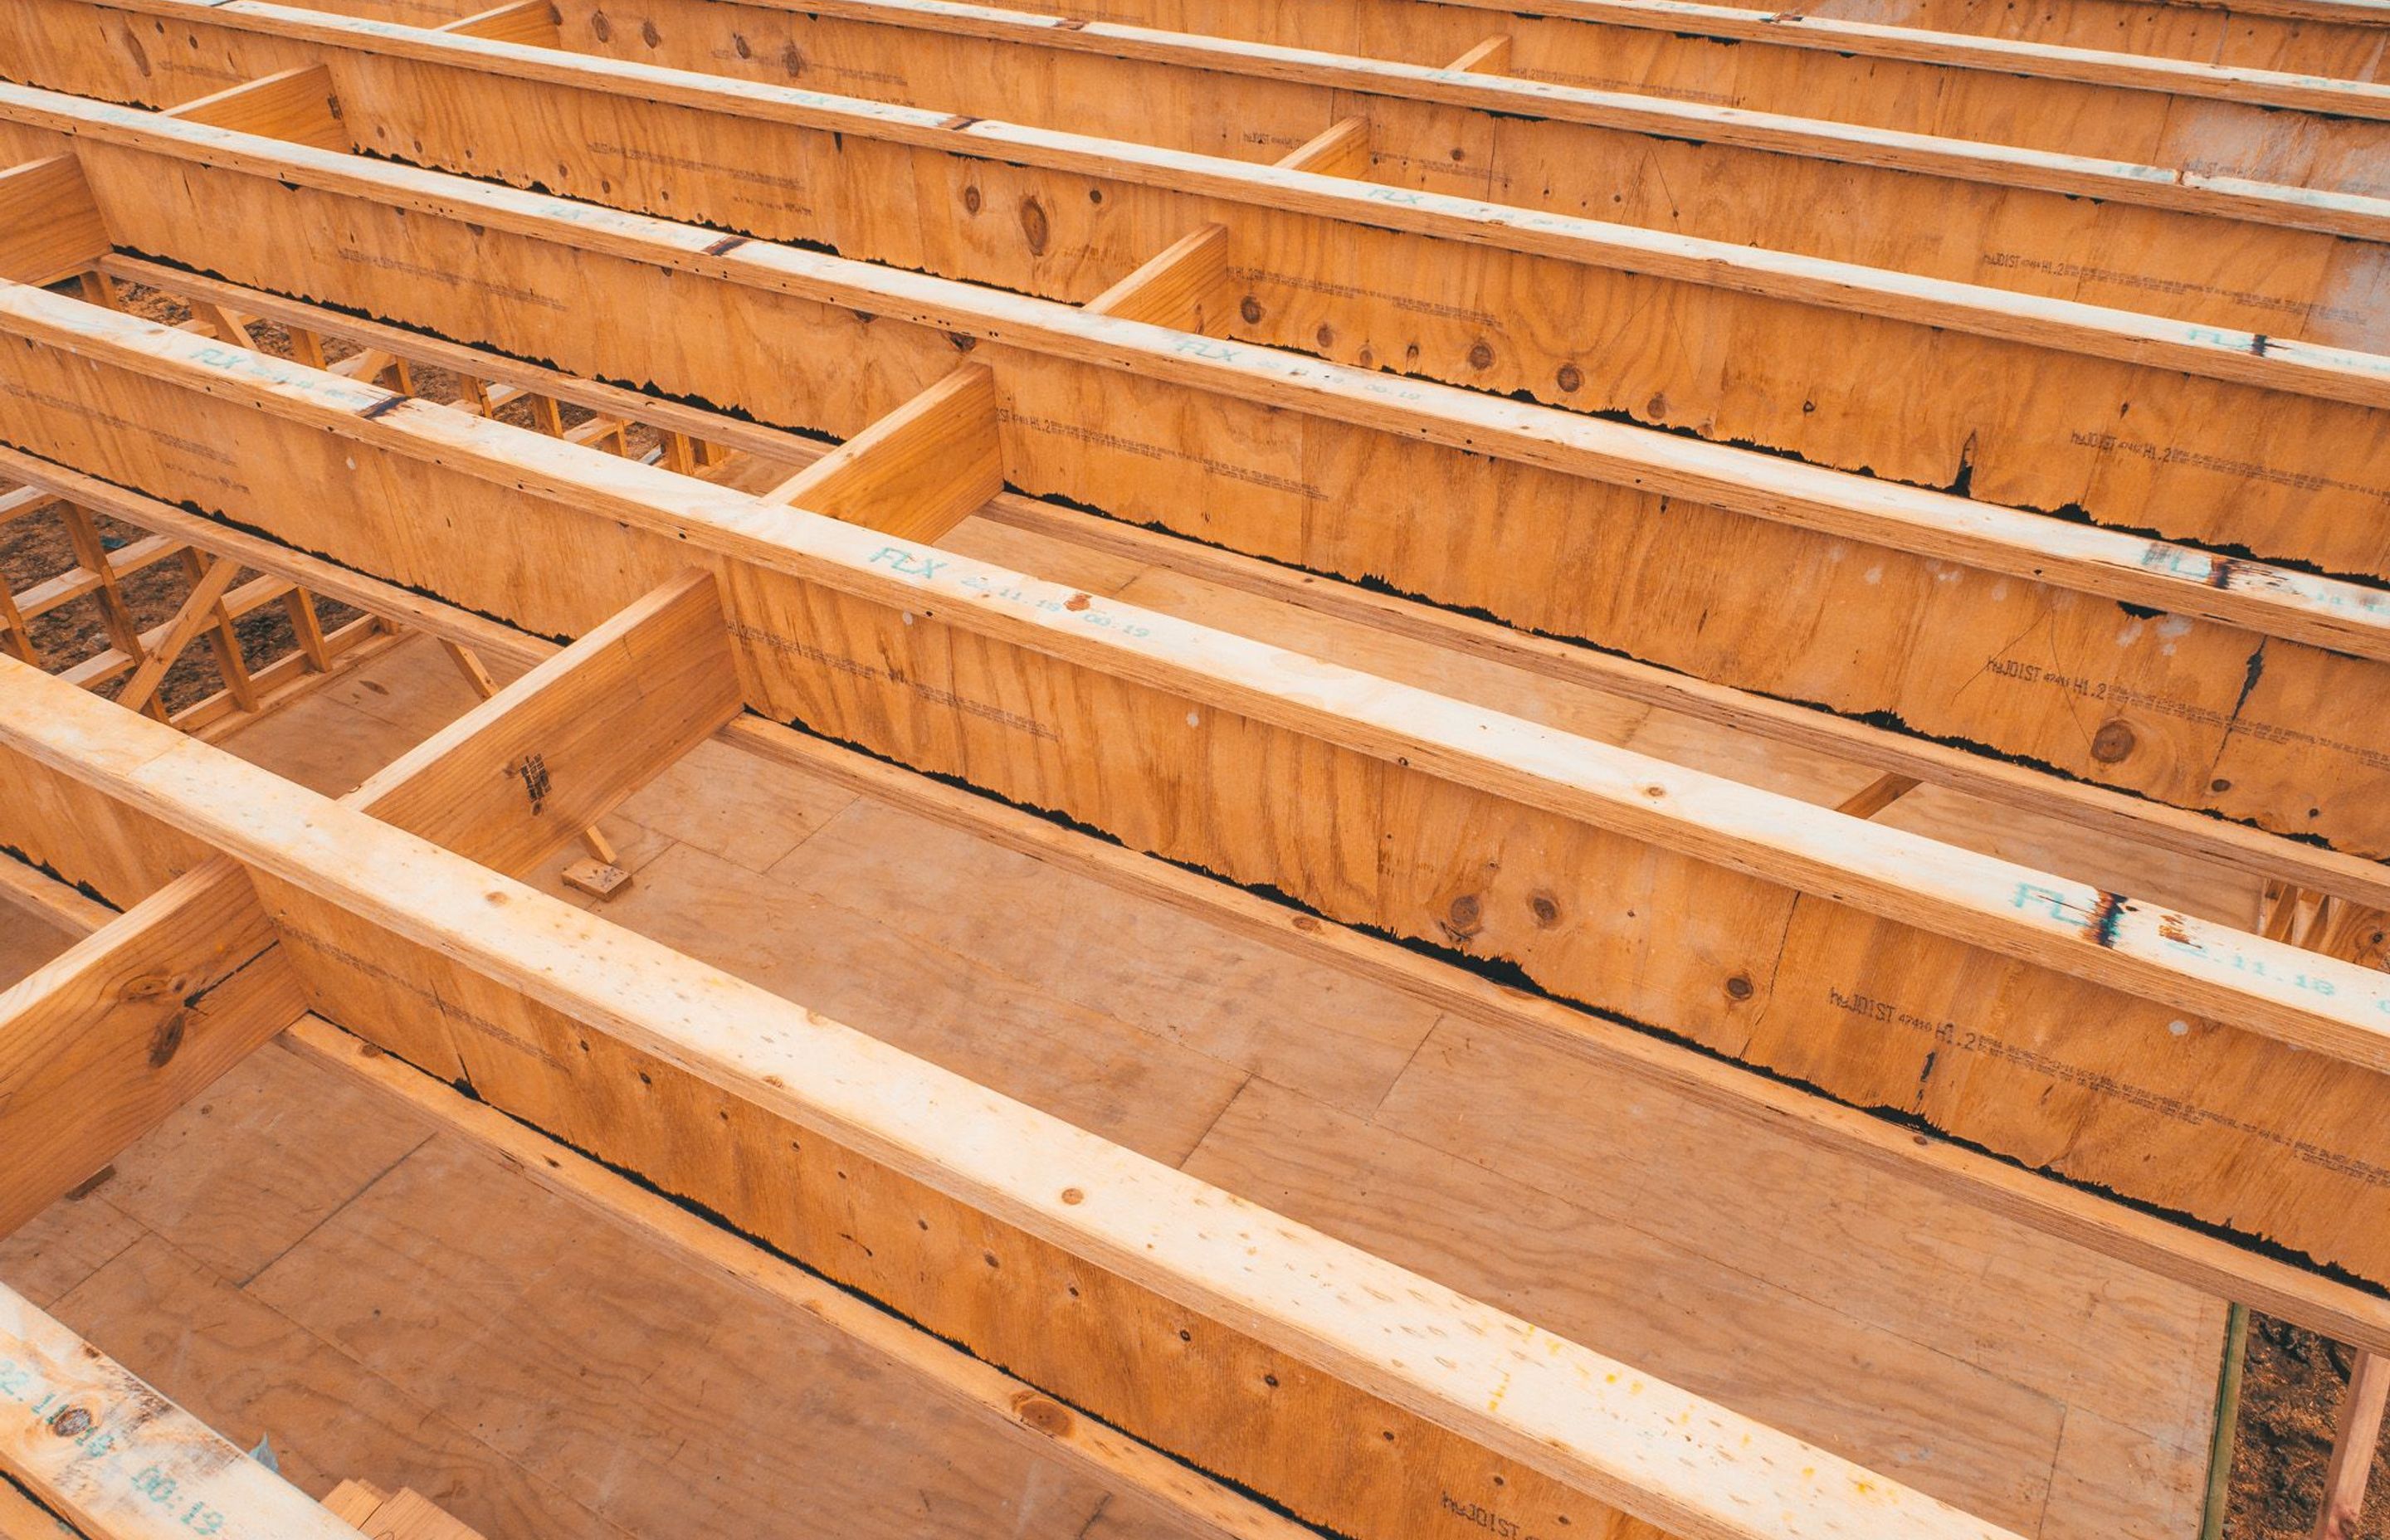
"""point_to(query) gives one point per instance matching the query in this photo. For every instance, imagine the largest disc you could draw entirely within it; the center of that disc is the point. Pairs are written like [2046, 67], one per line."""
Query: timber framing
[738, 359]
[1330, 468]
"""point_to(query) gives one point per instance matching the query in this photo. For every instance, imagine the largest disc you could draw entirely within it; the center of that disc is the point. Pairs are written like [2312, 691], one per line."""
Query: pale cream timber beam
[2199, 838]
[1249, 1345]
[920, 470]
[525, 772]
[49, 228]
[2024, 399]
[2336, 1309]
[1541, 142]
[103, 1043]
[121, 1461]
[1560, 37]
[942, 1371]
[1101, 410]
[1854, 958]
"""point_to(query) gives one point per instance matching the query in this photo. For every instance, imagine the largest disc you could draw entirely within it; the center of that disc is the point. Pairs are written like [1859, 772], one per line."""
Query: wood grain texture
[118, 1459]
[739, 801]
[529, 996]
[49, 228]
[522, 775]
[1995, 657]
[99, 1045]
[2006, 979]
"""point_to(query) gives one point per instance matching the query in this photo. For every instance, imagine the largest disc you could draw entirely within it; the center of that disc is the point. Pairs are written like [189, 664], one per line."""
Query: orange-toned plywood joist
[1400, 768]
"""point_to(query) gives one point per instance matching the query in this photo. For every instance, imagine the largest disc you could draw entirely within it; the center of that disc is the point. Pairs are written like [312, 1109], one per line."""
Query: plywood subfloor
[300, 1258]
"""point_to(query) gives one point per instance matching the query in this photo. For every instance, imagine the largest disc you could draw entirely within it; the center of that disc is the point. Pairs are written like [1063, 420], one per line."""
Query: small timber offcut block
[596, 877]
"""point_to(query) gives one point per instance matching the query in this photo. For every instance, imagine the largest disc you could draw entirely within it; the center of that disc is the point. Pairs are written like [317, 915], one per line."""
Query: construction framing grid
[1974, 403]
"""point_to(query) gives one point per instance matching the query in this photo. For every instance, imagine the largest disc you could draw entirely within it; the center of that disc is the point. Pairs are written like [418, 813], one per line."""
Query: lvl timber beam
[119, 1460]
[2029, 400]
[1172, 285]
[1359, 1396]
[99, 1045]
[2193, 1256]
[2109, 231]
[2070, 1028]
[1470, 500]
[1641, 159]
[2124, 106]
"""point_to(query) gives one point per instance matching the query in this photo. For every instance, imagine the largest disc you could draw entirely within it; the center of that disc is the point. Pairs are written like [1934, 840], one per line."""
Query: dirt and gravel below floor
[2290, 1392]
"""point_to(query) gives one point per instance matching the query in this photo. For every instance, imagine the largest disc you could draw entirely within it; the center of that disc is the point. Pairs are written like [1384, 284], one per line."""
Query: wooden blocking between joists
[1185, 287]
[50, 229]
[520, 775]
[918, 472]
[299, 105]
[101, 1045]
[1340, 150]
[527, 21]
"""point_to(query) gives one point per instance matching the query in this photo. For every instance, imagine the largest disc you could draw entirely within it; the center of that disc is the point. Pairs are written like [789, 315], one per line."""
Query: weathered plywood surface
[425, 1312]
[1172, 1036]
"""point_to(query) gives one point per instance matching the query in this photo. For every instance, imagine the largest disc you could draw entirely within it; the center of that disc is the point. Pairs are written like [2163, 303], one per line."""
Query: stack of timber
[1646, 741]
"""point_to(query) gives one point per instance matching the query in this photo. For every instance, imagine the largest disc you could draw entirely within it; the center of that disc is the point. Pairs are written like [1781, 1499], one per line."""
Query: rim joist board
[2073, 1028]
[1476, 501]
[2199, 118]
[2234, 438]
[2137, 238]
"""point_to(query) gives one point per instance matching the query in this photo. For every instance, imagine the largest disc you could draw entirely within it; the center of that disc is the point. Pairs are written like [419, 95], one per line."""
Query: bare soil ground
[2290, 1404]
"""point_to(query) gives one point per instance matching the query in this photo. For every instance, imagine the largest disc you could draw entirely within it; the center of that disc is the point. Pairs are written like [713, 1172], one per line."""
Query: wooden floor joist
[2163, 705]
[2037, 397]
[2202, 117]
[964, 670]
[1357, 1395]
[2192, 1255]
[1895, 417]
